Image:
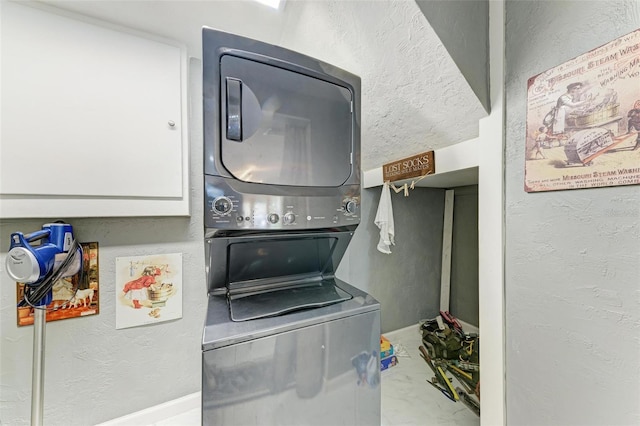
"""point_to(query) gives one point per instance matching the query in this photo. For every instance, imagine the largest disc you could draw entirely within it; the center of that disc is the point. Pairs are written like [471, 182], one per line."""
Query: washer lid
[220, 331]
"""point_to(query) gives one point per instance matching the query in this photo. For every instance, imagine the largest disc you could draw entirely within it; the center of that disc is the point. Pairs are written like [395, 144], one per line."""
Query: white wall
[572, 257]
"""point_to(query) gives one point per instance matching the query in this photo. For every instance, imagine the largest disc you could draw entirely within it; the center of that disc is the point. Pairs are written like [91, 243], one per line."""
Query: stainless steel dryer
[285, 341]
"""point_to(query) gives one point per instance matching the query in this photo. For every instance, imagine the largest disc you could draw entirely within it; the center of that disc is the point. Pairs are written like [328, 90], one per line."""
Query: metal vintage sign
[411, 167]
[583, 119]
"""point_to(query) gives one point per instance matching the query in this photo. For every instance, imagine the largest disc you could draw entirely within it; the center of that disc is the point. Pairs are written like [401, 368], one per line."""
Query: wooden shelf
[456, 165]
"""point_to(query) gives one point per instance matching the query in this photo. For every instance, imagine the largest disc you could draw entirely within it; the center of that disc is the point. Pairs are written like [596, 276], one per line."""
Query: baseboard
[468, 328]
[158, 413]
[400, 330]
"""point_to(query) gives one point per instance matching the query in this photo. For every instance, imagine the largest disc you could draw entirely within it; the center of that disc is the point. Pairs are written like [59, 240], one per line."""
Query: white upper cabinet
[93, 119]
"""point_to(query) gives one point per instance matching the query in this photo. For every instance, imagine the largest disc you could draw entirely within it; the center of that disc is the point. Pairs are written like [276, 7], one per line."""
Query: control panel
[231, 204]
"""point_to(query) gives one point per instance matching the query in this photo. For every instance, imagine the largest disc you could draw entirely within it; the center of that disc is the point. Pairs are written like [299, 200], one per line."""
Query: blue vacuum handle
[37, 235]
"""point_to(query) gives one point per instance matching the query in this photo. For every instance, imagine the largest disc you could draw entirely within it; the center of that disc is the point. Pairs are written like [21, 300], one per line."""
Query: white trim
[447, 238]
[158, 413]
[491, 231]
[468, 328]
[390, 334]
[274, 4]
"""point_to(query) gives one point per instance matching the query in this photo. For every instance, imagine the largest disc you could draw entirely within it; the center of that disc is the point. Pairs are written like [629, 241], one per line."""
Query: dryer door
[283, 128]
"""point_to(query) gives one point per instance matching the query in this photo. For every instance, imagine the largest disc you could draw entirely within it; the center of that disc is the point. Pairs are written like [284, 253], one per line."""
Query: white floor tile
[407, 398]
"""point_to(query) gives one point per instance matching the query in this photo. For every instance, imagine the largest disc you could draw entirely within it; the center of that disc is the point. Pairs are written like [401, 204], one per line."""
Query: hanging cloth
[384, 220]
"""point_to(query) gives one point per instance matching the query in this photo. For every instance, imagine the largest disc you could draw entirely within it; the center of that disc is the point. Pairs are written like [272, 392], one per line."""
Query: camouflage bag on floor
[442, 344]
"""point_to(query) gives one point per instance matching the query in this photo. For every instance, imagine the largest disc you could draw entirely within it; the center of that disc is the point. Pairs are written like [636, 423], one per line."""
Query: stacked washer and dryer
[285, 341]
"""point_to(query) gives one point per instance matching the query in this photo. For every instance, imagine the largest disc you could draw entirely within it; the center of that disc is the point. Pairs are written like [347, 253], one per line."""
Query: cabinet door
[89, 111]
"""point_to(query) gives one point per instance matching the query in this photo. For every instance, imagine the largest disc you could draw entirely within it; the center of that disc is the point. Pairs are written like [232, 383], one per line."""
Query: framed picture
[583, 120]
[148, 289]
[73, 297]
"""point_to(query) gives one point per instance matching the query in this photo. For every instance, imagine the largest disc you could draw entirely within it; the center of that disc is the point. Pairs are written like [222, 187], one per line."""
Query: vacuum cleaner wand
[39, 266]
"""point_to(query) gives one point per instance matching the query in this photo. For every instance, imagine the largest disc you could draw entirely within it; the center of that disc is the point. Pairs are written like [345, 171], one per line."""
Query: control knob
[289, 218]
[222, 205]
[273, 218]
[351, 207]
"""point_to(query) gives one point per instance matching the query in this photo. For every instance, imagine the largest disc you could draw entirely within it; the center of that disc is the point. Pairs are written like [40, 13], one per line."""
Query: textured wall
[407, 281]
[463, 27]
[93, 372]
[464, 255]
[572, 257]
[414, 97]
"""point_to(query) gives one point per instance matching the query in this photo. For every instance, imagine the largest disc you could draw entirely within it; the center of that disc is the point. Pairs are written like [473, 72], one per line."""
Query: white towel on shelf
[384, 220]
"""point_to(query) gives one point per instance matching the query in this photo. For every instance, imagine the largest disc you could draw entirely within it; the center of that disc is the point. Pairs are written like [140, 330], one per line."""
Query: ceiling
[414, 98]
